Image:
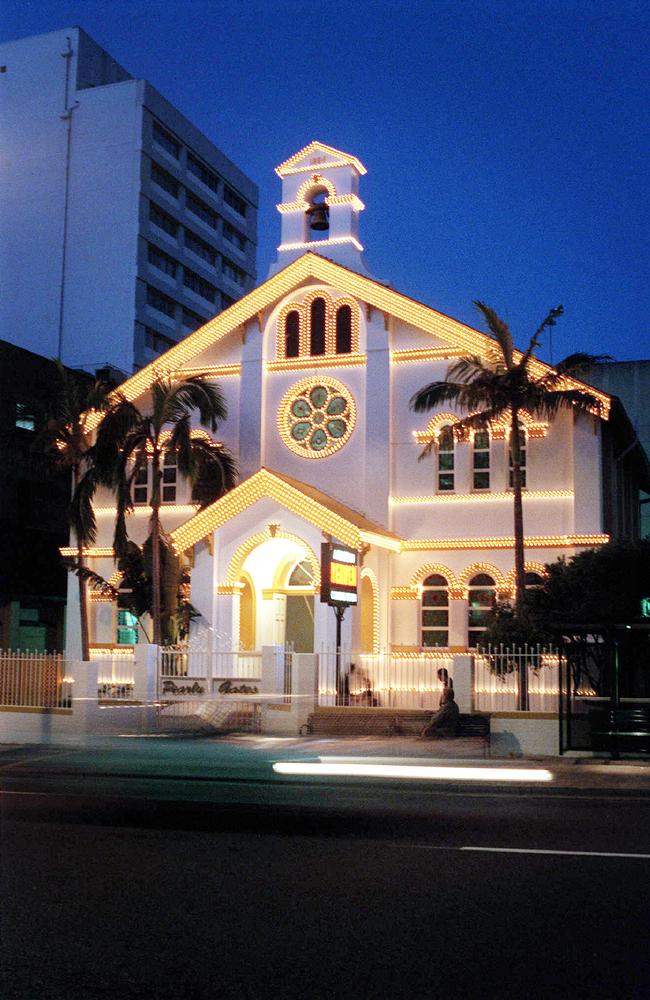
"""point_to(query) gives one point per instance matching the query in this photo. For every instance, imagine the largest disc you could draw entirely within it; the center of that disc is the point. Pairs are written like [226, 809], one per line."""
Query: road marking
[537, 850]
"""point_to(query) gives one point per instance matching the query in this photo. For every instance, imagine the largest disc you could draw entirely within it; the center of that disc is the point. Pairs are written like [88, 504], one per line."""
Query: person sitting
[445, 721]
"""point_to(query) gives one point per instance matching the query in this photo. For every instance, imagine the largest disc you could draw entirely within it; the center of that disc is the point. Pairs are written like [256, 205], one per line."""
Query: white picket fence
[115, 677]
[34, 680]
[221, 664]
[381, 680]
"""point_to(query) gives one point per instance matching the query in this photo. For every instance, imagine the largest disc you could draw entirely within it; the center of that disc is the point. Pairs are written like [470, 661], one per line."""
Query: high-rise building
[123, 227]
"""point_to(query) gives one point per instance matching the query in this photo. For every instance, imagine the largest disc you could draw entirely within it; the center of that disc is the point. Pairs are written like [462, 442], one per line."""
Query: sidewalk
[251, 758]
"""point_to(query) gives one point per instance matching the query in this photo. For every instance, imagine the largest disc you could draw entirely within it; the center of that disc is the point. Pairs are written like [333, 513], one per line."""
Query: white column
[461, 672]
[458, 611]
[146, 673]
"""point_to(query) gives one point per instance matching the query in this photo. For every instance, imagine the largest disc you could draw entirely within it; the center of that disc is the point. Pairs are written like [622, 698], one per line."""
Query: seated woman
[445, 721]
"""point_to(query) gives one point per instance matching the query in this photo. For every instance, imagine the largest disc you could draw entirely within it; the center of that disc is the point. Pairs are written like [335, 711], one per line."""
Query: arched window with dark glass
[435, 611]
[343, 330]
[481, 594]
[317, 336]
[533, 581]
[446, 460]
[292, 335]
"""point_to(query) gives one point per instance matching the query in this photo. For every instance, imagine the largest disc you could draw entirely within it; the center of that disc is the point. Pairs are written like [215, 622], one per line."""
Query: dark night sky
[506, 142]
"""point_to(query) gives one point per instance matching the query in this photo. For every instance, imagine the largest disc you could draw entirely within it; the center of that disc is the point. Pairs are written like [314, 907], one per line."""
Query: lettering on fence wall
[170, 687]
[227, 687]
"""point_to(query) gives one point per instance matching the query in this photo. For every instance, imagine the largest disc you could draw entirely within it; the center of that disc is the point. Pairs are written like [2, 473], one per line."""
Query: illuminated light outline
[496, 428]
[404, 593]
[111, 651]
[314, 265]
[236, 564]
[92, 552]
[369, 574]
[500, 582]
[341, 159]
[532, 541]
[416, 354]
[482, 496]
[264, 485]
[412, 772]
[332, 241]
[418, 578]
[186, 509]
[209, 371]
[320, 361]
[284, 414]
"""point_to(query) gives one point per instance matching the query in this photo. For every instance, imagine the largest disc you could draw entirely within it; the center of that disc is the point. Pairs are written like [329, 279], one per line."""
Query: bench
[620, 730]
[473, 730]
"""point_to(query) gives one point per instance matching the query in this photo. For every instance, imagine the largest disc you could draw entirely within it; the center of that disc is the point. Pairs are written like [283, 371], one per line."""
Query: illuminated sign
[645, 607]
[339, 574]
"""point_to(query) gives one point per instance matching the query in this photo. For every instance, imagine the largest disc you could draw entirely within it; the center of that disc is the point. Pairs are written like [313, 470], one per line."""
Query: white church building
[317, 365]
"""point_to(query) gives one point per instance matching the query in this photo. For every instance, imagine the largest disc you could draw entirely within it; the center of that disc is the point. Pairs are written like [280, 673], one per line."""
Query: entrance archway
[276, 588]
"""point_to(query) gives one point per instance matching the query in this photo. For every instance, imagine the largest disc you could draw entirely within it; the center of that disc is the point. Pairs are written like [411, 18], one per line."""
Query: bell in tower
[318, 213]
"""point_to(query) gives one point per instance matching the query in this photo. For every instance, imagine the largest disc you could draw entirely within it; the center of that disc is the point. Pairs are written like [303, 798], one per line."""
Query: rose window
[316, 417]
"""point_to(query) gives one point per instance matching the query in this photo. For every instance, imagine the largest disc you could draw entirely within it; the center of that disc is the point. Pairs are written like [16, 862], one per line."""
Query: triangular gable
[312, 265]
[318, 156]
[320, 510]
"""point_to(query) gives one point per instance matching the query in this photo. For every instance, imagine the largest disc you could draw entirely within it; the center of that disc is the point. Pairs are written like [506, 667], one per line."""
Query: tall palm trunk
[155, 542]
[520, 578]
[83, 594]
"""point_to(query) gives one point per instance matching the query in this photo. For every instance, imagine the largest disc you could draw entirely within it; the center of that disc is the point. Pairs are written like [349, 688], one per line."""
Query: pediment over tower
[318, 156]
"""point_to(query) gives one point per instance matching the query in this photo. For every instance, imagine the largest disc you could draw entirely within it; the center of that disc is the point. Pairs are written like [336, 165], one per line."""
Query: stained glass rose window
[316, 417]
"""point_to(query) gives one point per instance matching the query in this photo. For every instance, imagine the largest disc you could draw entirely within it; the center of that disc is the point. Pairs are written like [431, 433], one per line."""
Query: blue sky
[506, 143]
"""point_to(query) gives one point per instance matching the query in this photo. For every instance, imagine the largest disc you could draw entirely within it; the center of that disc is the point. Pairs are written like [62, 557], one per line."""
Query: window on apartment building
[166, 140]
[317, 331]
[201, 211]
[482, 595]
[233, 272]
[191, 320]
[446, 460]
[522, 458]
[161, 219]
[481, 461]
[205, 175]
[200, 248]
[234, 236]
[435, 611]
[343, 330]
[226, 301]
[234, 201]
[157, 342]
[199, 285]
[164, 180]
[161, 260]
[158, 300]
[25, 418]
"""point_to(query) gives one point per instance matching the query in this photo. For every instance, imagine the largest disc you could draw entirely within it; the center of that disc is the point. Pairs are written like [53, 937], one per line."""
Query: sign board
[339, 568]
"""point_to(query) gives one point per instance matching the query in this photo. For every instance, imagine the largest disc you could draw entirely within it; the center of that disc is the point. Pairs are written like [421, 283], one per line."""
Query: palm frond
[82, 513]
[215, 471]
[97, 582]
[499, 330]
[548, 321]
[578, 363]
[434, 394]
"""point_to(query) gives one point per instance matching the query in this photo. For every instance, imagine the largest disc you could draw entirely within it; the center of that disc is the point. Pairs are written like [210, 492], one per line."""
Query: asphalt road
[328, 889]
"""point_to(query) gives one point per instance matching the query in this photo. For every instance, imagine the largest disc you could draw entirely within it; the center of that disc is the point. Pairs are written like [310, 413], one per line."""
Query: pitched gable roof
[325, 156]
[332, 517]
[312, 265]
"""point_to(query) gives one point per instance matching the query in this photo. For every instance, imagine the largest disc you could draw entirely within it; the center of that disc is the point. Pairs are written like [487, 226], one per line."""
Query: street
[320, 889]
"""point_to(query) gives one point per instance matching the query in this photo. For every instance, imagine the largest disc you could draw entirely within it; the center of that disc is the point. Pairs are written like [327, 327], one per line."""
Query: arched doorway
[368, 615]
[276, 595]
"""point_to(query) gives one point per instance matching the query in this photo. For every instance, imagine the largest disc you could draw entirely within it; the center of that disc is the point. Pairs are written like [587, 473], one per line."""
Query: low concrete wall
[521, 734]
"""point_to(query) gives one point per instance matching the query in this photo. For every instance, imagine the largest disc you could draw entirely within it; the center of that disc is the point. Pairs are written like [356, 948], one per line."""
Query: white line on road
[537, 850]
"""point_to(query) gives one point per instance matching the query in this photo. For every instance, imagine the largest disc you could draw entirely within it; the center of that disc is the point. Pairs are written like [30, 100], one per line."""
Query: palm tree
[128, 439]
[67, 440]
[504, 385]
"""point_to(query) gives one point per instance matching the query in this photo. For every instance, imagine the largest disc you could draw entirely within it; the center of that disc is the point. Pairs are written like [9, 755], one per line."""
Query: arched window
[522, 457]
[343, 330]
[435, 611]
[446, 460]
[317, 338]
[292, 335]
[482, 595]
[301, 575]
[481, 461]
[533, 581]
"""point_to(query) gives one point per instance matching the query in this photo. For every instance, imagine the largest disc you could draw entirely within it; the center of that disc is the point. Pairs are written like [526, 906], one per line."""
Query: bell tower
[320, 207]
